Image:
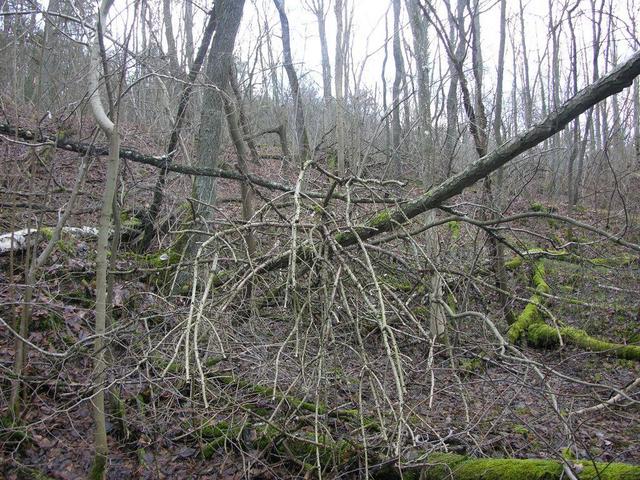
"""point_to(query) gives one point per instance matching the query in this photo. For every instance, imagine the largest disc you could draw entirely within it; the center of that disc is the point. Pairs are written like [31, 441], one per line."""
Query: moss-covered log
[445, 466]
[530, 325]
[531, 313]
[542, 335]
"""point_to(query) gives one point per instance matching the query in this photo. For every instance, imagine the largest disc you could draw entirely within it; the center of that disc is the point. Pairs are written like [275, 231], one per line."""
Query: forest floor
[462, 398]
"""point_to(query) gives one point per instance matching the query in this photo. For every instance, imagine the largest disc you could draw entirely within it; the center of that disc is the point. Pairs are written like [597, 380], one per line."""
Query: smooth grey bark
[302, 139]
[383, 78]
[188, 33]
[318, 9]
[555, 79]
[228, 15]
[172, 51]
[242, 119]
[498, 249]
[183, 103]
[246, 193]
[421, 52]
[396, 129]
[451, 134]
[108, 125]
[528, 97]
[575, 142]
[339, 70]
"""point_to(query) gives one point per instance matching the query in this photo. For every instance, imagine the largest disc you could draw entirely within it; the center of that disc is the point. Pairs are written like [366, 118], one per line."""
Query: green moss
[538, 278]
[380, 219]
[530, 316]
[12, 431]
[542, 335]
[162, 258]
[622, 261]
[421, 312]
[129, 221]
[98, 468]
[457, 467]
[538, 207]
[269, 393]
[396, 283]
[470, 366]
[513, 263]
[520, 430]
[52, 321]
[454, 228]
[46, 232]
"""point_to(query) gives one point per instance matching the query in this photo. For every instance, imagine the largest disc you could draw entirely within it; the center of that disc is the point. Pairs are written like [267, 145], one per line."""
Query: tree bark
[228, 15]
[339, 106]
[183, 103]
[396, 128]
[302, 139]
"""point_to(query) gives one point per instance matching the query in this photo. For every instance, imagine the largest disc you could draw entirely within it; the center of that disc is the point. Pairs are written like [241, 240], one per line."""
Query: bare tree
[302, 138]
[398, 60]
[318, 9]
[339, 101]
[212, 118]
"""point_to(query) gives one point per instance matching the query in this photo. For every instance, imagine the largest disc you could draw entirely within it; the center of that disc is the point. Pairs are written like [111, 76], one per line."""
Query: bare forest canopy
[323, 239]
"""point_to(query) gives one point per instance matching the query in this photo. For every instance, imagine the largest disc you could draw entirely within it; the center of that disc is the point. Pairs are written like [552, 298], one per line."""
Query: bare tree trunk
[188, 33]
[183, 103]
[383, 80]
[110, 129]
[575, 143]
[555, 79]
[421, 51]
[528, 102]
[498, 266]
[451, 135]
[302, 138]
[339, 105]
[228, 15]
[172, 51]
[246, 193]
[636, 121]
[396, 129]
[318, 9]
[243, 122]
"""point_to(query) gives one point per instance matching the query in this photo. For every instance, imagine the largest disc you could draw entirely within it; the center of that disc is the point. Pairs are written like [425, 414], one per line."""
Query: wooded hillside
[323, 239]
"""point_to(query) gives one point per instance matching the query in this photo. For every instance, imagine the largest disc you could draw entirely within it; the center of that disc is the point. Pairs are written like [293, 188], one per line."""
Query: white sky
[368, 33]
